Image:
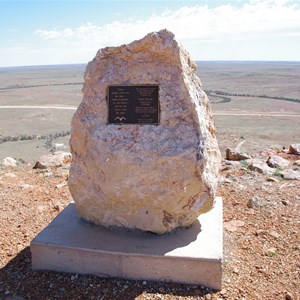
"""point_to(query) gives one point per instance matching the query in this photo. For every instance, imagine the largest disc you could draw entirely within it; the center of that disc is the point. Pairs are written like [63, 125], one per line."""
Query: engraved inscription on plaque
[133, 104]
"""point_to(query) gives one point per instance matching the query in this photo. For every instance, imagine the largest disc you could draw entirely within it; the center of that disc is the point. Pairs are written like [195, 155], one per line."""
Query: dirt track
[216, 113]
[36, 107]
[254, 114]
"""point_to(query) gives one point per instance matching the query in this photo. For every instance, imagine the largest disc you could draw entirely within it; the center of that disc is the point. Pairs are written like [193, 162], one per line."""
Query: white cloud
[191, 23]
[224, 32]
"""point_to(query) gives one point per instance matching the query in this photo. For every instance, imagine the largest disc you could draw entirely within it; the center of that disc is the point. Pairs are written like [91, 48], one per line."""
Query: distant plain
[258, 102]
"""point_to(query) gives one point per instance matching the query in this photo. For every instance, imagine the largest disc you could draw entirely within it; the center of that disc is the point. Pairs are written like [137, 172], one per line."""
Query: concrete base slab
[189, 255]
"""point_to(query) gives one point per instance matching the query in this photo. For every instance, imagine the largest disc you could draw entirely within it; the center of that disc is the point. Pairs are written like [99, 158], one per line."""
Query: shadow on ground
[18, 281]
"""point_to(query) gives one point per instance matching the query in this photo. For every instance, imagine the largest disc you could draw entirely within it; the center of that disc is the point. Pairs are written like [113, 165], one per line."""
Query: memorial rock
[145, 154]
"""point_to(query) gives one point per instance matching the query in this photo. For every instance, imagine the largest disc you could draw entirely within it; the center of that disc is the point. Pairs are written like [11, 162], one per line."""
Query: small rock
[11, 175]
[228, 180]
[48, 174]
[251, 211]
[259, 232]
[233, 154]
[273, 179]
[271, 252]
[39, 165]
[25, 186]
[231, 163]
[60, 185]
[297, 163]
[285, 150]
[9, 162]
[255, 202]
[289, 296]
[208, 297]
[225, 168]
[59, 146]
[291, 174]
[57, 159]
[276, 161]
[284, 202]
[57, 206]
[295, 149]
[274, 234]
[260, 166]
[233, 225]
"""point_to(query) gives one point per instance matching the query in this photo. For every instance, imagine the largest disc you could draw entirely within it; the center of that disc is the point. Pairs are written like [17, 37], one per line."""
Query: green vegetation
[244, 163]
[26, 137]
[278, 172]
[226, 99]
[18, 86]
[223, 98]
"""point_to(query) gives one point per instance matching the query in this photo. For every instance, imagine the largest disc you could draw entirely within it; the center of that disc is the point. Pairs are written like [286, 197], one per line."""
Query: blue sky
[63, 32]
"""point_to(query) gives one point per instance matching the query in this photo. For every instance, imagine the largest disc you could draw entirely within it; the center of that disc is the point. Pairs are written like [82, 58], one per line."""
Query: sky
[66, 32]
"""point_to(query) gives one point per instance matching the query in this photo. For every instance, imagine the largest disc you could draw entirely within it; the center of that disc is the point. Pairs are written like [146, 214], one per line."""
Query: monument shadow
[69, 229]
[19, 281]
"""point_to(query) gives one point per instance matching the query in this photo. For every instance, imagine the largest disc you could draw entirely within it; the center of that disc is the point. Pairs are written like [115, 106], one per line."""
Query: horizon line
[202, 61]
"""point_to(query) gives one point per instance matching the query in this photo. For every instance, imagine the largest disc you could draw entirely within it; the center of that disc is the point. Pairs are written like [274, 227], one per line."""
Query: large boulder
[153, 177]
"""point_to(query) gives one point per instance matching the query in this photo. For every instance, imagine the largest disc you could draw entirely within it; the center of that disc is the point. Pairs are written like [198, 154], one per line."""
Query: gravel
[262, 252]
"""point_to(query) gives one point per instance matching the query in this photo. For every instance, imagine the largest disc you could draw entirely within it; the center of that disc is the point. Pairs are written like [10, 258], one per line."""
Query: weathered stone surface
[9, 162]
[291, 174]
[234, 154]
[149, 177]
[260, 166]
[276, 161]
[295, 149]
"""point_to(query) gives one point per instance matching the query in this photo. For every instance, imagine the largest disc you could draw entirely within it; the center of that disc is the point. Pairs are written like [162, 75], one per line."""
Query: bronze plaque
[133, 104]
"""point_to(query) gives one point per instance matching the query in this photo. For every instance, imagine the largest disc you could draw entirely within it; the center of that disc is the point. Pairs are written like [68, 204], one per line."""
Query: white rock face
[149, 177]
[295, 149]
[9, 162]
[57, 159]
[275, 161]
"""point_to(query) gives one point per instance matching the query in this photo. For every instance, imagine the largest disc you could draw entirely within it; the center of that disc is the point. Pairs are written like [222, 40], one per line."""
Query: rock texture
[291, 174]
[9, 162]
[57, 159]
[236, 155]
[148, 177]
[260, 166]
[295, 149]
[276, 161]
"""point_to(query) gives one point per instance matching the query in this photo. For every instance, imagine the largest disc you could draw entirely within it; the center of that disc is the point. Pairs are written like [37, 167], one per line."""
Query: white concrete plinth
[190, 255]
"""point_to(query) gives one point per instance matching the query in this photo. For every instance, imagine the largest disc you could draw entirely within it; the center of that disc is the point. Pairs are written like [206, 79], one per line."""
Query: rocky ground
[261, 236]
